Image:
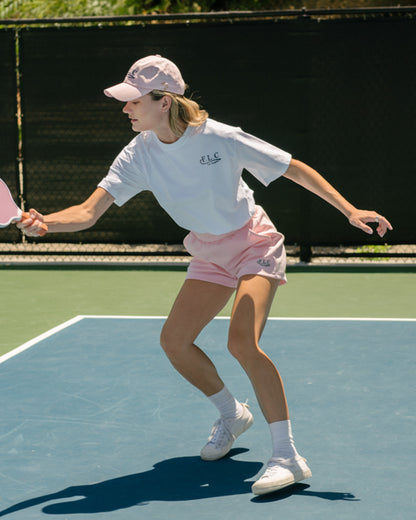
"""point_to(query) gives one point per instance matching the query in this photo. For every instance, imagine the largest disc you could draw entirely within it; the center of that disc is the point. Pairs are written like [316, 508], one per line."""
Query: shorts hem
[280, 277]
[231, 284]
[234, 283]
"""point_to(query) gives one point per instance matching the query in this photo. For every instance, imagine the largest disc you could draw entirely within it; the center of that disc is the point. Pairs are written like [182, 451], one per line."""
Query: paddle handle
[44, 227]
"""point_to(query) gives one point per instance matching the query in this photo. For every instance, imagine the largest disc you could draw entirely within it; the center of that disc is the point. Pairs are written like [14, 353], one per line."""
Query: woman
[193, 166]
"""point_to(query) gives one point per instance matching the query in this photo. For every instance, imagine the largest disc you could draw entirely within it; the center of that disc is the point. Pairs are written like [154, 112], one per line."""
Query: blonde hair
[182, 110]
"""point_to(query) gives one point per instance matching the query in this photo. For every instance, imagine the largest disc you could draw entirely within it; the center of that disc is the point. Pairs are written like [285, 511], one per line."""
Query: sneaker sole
[263, 489]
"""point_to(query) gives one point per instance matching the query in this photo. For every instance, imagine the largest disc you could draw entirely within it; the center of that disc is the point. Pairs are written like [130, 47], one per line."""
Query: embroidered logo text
[210, 159]
[263, 262]
[132, 74]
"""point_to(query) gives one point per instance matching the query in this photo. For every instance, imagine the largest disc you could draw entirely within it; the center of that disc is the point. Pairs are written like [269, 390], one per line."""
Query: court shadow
[177, 479]
[302, 489]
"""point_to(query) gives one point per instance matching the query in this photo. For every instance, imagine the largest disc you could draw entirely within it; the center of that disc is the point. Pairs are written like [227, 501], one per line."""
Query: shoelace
[274, 464]
[272, 468]
[220, 434]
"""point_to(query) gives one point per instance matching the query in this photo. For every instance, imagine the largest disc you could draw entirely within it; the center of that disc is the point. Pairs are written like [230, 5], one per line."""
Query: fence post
[305, 253]
[19, 127]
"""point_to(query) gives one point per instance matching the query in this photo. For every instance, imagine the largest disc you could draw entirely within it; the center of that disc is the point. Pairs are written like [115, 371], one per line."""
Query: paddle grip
[44, 227]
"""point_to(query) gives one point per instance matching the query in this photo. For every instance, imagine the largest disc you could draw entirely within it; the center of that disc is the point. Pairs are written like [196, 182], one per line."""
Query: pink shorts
[256, 248]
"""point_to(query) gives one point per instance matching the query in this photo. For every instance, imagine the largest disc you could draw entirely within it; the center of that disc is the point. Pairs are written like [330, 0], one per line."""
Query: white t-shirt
[197, 179]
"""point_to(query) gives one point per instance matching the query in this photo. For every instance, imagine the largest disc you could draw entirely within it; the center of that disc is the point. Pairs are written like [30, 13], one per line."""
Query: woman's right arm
[75, 218]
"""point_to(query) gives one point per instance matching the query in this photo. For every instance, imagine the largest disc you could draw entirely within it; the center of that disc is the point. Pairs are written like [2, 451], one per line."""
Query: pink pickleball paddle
[10, 212]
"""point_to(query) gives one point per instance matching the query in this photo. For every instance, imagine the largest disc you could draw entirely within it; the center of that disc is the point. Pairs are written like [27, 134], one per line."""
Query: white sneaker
[281, 473]
[224, 433]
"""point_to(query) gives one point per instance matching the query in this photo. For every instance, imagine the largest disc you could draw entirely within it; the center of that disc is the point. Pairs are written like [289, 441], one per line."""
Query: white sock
[282, 440]
[226, 404]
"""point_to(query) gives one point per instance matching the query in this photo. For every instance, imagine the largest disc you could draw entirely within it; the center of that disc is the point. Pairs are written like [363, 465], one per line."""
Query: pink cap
[149, 73]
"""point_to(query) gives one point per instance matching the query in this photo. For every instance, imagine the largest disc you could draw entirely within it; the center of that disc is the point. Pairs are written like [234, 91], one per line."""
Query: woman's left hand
[359, 218]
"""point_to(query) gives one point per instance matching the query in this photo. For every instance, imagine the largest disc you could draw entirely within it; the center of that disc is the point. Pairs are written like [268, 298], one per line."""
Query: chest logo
[210, 159]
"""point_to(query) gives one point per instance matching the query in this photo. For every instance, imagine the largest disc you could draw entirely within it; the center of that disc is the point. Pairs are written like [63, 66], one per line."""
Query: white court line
[72, 321]
[43, 336]
[110, 316]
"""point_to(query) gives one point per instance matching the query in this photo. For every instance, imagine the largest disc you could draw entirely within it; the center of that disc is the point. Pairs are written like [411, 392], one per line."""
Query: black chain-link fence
[8, 127]
[336, 93]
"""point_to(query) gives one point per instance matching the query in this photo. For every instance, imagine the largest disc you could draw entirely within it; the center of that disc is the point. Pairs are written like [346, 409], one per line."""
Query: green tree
[65, 8]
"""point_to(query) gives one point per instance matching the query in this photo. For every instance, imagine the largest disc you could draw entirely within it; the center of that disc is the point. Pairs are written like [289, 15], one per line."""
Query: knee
[167, 341]
[242, 346]
[171, 343]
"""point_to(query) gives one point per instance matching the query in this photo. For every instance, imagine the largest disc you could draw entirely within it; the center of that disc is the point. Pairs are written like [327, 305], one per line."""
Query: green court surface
[36, 299]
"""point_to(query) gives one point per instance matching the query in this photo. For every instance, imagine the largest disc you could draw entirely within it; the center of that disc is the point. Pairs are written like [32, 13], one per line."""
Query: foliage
[65, 8]
[374, 250]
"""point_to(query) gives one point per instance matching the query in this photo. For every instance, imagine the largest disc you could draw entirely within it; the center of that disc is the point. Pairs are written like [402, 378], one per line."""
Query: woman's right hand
[32, 224]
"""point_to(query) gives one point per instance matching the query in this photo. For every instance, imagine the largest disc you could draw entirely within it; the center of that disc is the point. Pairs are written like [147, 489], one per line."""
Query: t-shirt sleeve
[124, 179]
[263, 160]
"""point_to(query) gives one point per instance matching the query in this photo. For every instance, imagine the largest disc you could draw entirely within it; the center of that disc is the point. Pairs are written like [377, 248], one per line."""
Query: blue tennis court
[96, 424]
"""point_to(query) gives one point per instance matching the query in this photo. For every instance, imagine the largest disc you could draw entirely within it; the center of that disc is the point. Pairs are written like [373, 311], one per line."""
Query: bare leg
[198, 302]
[250, 311]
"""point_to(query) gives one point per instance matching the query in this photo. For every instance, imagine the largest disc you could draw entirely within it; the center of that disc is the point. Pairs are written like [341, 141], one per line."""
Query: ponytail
[182, 110]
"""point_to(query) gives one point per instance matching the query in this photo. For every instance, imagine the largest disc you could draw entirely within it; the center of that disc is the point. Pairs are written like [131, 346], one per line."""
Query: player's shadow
[178, 479]
[182, 478]
[302, 489]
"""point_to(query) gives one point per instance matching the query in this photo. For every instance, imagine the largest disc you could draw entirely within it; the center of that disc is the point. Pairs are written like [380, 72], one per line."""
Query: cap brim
[125, 92]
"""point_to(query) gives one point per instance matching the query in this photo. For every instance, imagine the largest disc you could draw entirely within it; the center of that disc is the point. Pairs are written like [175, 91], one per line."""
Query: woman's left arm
[310, 179]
